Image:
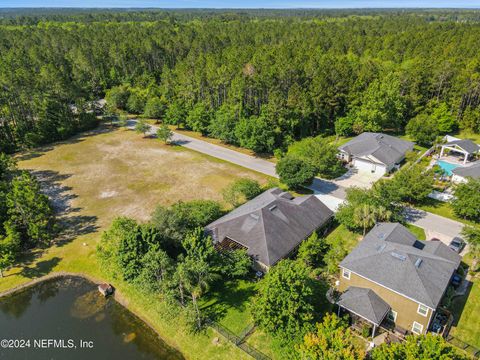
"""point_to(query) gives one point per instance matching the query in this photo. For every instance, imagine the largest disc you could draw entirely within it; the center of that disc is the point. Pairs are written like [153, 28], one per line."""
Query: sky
[272, 4]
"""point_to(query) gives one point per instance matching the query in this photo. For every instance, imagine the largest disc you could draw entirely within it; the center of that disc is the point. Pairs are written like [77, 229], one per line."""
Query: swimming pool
[447, 167]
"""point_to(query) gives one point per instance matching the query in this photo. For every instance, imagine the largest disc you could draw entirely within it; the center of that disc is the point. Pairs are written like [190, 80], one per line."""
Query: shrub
[294, 172]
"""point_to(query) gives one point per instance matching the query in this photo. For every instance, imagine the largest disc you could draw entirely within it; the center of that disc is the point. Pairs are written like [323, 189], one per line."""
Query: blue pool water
[447, 167]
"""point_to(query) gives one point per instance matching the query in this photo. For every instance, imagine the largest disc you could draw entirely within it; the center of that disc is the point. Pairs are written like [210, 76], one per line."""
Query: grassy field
[342, 235]
[97, 176]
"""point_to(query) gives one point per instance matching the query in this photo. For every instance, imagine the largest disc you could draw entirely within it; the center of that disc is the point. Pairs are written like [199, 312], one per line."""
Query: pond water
[68, 319]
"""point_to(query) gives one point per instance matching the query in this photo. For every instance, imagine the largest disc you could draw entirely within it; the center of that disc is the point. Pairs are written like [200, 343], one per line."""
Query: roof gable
[271, 225]
[387, 149]
[392, 257]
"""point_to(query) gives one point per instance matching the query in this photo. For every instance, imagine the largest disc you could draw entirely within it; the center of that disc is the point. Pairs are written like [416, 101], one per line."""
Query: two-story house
[393, 276]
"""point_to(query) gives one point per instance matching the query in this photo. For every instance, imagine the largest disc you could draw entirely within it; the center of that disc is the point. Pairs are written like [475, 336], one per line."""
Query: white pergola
[456, 148]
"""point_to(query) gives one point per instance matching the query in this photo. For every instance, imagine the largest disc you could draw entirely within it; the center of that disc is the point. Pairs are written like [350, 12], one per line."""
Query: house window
[392, 316]
[417, 328]
[422, 310]
[346, 274]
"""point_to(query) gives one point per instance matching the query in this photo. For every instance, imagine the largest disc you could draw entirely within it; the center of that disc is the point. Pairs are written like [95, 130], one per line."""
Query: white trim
[420, 326]
[396, 292]
[346, 273]
[419, 312]
[394, 315]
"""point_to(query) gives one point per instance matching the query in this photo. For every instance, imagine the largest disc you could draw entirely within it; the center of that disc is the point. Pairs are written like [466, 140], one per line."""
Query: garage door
[367, 166]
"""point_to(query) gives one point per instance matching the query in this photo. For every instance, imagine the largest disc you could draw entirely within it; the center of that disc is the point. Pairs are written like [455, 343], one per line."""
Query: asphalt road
[329, 192]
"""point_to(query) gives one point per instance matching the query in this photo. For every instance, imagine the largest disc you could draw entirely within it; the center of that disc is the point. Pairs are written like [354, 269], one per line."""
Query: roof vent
[254, 216]
[381, 247]
[418, 263]
[398, 256]
[273, 207]
[381, 236]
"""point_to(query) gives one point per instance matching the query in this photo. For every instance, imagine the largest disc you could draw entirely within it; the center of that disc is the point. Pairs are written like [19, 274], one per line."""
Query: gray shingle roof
[365, 303]
[467, 145]
[387, 149]
[391, 256]
[271, 225]
[468, 171]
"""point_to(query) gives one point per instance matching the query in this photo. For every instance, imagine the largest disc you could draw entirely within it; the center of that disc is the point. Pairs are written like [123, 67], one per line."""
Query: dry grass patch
[98, 176]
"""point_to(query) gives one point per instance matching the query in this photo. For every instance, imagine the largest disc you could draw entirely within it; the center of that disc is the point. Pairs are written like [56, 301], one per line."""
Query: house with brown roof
[271, 226]
[391, 276]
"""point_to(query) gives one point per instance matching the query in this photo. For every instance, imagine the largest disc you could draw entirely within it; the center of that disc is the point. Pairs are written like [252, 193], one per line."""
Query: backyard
[99, 175]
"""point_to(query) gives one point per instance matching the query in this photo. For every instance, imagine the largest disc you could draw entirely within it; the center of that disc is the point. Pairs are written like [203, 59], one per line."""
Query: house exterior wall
[369, 166]
[405, 308]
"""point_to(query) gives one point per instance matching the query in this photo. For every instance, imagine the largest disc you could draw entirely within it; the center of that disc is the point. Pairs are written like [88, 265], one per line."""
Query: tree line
[260, 82]
[26, 216]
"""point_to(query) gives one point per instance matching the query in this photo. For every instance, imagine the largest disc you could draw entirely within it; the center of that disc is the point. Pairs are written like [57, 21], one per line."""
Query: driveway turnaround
[332, 193]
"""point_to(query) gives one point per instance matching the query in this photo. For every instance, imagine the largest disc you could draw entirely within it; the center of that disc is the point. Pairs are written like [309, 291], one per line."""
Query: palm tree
[368, 215]
[364, 216]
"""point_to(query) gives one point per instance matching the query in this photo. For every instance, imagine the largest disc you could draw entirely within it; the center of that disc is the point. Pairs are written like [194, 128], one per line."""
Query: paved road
[219, 152]
[331, 193]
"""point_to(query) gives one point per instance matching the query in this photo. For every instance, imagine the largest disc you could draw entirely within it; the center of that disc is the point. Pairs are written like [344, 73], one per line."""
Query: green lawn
[467, 135]
[98, 175]
[468, 309]
[342, 235]
[417, 231]
[228, 304]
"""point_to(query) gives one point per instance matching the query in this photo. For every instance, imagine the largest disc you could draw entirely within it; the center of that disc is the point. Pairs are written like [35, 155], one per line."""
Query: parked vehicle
[457, 245]
[456, 280]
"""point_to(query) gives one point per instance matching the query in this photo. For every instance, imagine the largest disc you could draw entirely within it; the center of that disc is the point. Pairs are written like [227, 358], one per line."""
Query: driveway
[361, 179]
[435, 226]
[332, 193]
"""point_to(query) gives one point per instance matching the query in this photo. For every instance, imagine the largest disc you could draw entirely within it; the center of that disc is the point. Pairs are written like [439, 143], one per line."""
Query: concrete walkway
[332, 193]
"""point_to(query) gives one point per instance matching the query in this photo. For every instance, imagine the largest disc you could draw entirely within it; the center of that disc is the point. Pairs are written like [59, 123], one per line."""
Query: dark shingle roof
[387, 149]
[391, 256]
[271, 225]
[465, 144]
[468, 171]
[365, 303]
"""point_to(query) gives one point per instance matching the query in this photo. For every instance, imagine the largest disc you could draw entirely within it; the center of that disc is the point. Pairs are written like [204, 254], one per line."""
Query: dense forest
[256, 79]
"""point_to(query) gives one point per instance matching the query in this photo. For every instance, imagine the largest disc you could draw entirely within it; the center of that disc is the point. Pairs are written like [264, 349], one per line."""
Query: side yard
[97, 176]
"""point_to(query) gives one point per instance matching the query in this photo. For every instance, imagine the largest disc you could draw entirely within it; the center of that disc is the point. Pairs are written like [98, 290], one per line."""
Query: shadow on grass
[458, 304]
[102, 128]
[40, 268]
[61, 196]
[228, 295]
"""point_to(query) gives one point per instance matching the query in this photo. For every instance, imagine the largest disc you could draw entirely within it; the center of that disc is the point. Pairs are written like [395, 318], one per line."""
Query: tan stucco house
[392, 276]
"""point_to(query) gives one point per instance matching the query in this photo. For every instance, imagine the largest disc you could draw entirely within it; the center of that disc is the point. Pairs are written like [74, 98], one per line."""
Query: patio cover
[364, 303]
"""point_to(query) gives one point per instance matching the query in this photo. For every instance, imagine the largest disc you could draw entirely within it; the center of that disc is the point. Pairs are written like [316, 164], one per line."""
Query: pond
[67, 318]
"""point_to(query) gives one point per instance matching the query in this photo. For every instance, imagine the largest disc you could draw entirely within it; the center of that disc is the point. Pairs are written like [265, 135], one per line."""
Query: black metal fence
[239, 340]
[469, 349]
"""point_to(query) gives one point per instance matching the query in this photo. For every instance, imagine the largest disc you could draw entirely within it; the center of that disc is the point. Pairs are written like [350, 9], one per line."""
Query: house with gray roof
[461, 174]
[271, 226]
[392, 276]
[375, 152]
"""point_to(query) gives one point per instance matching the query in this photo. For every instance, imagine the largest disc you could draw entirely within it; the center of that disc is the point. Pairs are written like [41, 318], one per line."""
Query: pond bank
[118, 297]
